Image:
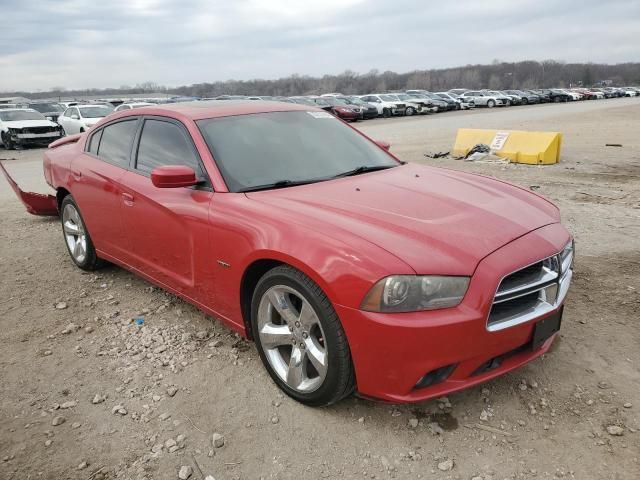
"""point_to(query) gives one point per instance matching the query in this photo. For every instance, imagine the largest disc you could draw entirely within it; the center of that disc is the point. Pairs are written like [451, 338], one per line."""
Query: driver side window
[165, 143]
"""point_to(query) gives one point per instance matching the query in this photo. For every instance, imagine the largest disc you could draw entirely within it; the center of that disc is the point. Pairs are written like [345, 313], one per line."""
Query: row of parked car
[40, 123]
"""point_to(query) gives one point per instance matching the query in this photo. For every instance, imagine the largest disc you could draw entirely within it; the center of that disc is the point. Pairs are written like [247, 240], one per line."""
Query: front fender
[242, 232]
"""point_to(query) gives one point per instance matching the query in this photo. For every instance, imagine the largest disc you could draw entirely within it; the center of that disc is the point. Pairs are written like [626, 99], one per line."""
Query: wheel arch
[256, 269]
[61, 193]
[250, 278]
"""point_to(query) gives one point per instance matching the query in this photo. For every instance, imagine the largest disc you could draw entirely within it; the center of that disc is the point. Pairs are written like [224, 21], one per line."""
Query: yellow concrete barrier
[535, 148]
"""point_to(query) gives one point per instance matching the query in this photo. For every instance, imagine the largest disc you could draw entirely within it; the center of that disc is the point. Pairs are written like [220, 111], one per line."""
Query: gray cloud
[82, 43]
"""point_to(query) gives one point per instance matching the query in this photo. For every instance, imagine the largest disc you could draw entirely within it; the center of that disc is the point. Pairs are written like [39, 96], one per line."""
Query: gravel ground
[88, 393]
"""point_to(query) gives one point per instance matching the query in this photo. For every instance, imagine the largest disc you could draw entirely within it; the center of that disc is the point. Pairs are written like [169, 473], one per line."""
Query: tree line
[496, 76]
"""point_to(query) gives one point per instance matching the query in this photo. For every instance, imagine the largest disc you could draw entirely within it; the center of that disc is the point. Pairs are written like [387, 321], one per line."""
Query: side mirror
[383, 144]
[75, 117]
[173, 176]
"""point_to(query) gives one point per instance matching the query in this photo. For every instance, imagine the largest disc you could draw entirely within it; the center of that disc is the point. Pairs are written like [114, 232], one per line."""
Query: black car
[527, 97]
[559, 96]
[368, 111]
[50, 110]
[544, 97]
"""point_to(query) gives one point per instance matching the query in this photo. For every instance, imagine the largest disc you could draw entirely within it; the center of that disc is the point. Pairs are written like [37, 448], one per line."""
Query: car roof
[19, 110]
[200, 110]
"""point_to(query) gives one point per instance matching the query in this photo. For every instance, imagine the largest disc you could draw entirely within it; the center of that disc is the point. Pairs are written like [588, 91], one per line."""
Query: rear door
[96, 187]
[169, 227]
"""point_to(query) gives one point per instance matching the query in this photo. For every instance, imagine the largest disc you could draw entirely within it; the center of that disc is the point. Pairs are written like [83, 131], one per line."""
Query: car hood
[437, 221]
[29, 123]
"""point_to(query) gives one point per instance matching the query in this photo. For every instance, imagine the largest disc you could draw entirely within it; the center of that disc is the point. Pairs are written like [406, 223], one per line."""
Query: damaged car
[353, 271]
[20, 127]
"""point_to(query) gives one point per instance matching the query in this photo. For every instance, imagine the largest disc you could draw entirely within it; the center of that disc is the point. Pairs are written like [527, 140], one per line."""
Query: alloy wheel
[292, 338]
[74, 233]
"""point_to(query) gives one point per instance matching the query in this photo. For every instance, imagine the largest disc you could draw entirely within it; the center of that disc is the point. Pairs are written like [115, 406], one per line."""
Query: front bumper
[393, 352]
[35, 138]
[349, 115]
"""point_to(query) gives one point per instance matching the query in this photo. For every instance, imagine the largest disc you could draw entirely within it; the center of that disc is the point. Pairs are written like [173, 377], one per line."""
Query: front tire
[7, 142]
[76, 236]
[410, 111]
[386, 113]
[300, 339]
[491, 104]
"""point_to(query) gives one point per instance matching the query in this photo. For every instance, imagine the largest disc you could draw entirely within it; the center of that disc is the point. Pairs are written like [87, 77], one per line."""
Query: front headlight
[411, 293]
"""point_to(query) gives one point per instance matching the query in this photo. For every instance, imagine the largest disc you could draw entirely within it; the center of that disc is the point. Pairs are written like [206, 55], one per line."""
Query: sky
[110, 43]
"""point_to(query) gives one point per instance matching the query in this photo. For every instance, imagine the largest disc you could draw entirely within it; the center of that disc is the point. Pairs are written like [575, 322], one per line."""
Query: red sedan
[351, 271]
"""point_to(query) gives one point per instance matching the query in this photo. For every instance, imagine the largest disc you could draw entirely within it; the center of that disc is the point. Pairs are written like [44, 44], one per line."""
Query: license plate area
[544, 329]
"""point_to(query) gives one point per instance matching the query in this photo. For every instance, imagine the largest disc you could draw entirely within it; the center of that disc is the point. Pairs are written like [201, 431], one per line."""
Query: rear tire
[76, 236]
[524, 101]
[410, 111]
[300, 339]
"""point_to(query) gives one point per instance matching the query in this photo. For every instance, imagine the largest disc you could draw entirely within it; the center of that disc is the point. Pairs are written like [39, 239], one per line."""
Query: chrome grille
[532, 291]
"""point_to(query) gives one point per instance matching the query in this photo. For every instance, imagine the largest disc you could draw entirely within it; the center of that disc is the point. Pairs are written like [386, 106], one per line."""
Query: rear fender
[36, 203]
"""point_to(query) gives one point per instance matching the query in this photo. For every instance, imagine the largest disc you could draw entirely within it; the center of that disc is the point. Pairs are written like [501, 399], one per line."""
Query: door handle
[127, 199]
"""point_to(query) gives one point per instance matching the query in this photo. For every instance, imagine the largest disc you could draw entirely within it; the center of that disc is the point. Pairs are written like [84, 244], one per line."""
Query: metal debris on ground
[437, 155]
[478, 148]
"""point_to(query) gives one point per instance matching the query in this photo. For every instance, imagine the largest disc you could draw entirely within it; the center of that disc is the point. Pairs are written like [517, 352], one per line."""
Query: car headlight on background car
[413, 293]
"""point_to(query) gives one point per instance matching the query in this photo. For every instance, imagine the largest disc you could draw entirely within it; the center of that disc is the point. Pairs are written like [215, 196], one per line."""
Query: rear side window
[94, 142]
[115, 145]
[165, 143]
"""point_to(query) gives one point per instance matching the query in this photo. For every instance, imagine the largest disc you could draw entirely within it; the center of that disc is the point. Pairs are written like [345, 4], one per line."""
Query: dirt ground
[85, 393]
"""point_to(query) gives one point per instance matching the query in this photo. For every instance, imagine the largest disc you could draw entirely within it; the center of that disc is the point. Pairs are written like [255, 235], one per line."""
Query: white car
[25, 126]
[465, 103]
[81, 118]
[411, 107]
[129, 106]
[387, 105]
[629, 92]
[483, 99]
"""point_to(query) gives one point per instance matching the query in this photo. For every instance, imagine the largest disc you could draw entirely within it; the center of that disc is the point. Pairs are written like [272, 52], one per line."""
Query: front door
[168, 227]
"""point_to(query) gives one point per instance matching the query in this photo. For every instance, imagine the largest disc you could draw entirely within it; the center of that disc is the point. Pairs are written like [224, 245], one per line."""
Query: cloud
[82, 43]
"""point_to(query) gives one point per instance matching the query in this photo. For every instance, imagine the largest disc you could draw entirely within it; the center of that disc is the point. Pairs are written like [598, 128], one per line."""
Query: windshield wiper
[278, 184]
[363, 169]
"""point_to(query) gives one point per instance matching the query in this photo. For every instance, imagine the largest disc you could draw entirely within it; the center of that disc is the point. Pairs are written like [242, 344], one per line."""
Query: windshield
[265, 148]
[335, 101]
[17, 115]
[404, 96]
[95, 112]
[46, 107]
[388, 98]
[355, 101]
